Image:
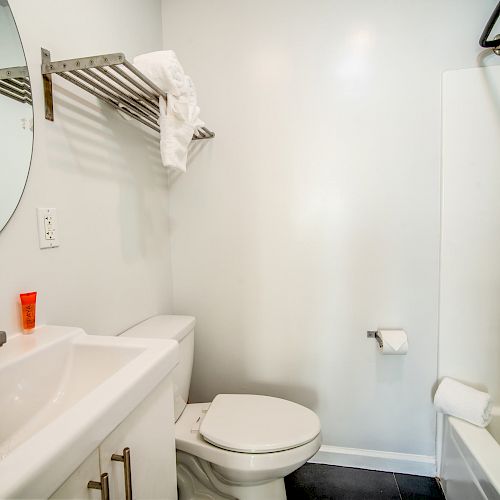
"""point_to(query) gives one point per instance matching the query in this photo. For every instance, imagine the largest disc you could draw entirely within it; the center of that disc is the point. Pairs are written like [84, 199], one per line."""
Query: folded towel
[164, 70]
[462, 401]
[179, 117]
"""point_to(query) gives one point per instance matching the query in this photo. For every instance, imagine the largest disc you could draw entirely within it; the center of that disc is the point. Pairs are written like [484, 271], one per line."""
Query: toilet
[239, 446]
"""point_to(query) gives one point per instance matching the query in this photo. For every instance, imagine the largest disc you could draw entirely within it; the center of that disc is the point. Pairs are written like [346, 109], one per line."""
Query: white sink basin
[61, 393]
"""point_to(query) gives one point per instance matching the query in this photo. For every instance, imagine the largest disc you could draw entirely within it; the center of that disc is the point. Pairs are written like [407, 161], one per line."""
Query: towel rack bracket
[99, 61]
[373, 334]
[114, 80]
[14, 72]
[47, 87]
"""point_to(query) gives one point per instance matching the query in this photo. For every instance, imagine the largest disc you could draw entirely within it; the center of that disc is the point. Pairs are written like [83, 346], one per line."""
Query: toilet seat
[248, 423]
[239, 466]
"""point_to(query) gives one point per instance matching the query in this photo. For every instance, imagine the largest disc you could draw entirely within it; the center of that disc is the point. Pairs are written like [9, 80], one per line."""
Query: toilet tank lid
[164, 326]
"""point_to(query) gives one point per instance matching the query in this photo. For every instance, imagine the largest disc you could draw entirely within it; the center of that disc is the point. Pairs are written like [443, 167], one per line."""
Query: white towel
[462, 401]
[179, 118]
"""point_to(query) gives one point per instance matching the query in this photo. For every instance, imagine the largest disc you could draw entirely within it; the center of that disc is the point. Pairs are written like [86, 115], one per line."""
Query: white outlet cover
[47, 239]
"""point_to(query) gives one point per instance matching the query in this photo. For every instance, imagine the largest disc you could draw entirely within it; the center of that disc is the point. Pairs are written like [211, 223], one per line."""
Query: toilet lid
[258, 424]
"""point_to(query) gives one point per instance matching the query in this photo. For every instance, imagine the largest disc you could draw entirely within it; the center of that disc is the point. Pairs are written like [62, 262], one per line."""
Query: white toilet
[239, 446]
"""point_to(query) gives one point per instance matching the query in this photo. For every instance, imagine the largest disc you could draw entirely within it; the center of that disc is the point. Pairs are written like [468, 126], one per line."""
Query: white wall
[100, 172]
[469, 343]
[314, 214]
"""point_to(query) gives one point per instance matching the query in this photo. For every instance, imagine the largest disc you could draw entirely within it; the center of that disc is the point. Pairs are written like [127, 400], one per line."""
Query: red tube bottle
[28, 310]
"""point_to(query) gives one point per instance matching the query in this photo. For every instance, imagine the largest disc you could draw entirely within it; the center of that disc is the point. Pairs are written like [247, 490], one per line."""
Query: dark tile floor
[325, 482]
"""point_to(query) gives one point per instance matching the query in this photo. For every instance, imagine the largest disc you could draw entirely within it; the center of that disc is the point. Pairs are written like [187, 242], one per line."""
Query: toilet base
[196, 480]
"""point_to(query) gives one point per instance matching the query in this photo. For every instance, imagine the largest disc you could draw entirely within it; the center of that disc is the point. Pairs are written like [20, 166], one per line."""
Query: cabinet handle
[103, 486]
[125, 458]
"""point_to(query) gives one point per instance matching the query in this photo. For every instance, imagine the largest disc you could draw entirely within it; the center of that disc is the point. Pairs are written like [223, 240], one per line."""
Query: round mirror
[16, 116]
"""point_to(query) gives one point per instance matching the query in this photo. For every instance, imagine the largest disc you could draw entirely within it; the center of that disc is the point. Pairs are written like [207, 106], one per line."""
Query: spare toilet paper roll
[393, 341]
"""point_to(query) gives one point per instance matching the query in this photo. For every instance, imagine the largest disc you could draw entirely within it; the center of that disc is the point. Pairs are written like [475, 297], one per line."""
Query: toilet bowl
[239, 446]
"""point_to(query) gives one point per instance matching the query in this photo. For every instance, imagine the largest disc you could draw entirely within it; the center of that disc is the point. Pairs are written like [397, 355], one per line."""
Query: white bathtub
[470, 463]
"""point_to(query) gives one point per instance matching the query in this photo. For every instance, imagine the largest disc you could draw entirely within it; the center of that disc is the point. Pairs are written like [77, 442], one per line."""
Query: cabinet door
[149, 432]
[75, 487]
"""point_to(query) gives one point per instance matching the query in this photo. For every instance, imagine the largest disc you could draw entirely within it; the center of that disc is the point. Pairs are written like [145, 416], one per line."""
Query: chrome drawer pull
[125, 458]
[103, 486]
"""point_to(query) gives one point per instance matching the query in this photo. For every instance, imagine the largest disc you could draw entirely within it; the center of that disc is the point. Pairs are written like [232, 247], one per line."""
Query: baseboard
[405, 463]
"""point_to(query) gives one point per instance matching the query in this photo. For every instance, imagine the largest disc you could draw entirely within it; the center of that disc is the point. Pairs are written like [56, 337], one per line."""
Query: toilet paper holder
[373, 334]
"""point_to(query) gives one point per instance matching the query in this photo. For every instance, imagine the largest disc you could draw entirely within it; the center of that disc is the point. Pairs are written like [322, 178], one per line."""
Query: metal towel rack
[15, 83]
[114, 80]
[495, 43]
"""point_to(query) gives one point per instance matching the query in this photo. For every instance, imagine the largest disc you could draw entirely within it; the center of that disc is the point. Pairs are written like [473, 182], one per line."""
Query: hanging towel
[462, 401]
[179, 116]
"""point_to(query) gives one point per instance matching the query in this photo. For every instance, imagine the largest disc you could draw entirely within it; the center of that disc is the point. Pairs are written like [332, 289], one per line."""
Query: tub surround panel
[469, 342]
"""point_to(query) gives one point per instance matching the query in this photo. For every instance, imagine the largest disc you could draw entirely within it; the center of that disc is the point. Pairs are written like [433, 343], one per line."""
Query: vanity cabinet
[75, 487]
[149, 433]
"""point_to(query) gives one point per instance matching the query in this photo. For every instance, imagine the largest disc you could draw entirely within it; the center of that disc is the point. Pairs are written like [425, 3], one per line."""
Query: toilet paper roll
[393, 342]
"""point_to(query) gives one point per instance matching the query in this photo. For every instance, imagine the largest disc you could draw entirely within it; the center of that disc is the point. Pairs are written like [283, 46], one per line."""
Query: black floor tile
[418, 487]
[325, 482]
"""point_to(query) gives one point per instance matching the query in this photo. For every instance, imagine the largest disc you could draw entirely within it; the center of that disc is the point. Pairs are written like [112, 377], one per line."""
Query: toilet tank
[181, 329]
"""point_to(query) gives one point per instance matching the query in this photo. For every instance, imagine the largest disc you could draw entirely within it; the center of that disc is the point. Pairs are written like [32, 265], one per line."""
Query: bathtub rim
[479, 448]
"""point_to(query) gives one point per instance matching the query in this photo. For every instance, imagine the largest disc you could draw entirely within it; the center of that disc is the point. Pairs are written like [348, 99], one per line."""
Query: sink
[61, 393]
[39, 387]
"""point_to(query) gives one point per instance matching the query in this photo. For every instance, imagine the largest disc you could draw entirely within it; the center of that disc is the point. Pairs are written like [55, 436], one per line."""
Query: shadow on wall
[490, 86]
[195, 148]
[100, 147]
[308, 396]
[105, 147]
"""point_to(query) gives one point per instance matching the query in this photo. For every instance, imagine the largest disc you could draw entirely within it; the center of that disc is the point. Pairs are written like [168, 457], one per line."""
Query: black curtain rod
[483, 41]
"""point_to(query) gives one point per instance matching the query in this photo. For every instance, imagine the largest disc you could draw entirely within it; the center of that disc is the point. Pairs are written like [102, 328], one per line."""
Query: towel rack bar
[111, 78]
[203, 133]
[16, 86]
[134, 82]
[15, 83]
[152, 106]
[115, 93]
[147, 81]
[18, 83]
[115, 105]
[21, 97]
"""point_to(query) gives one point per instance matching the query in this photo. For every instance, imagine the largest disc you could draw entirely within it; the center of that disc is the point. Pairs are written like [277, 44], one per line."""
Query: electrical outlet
[47, 228]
